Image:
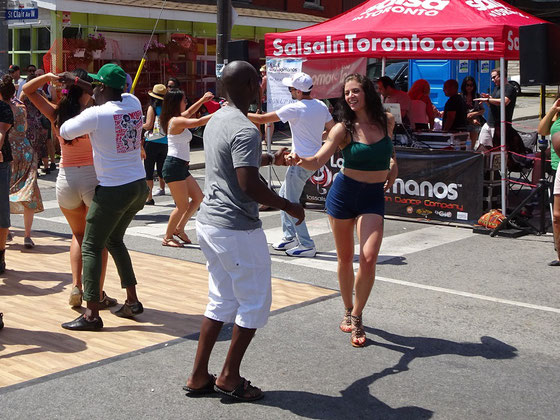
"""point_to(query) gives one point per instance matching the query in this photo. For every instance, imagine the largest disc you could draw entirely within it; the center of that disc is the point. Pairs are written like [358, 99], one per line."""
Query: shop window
[24, 61]
[43, 39]
[313, 4]
[71, 33]
[40, 60]
[24, 36]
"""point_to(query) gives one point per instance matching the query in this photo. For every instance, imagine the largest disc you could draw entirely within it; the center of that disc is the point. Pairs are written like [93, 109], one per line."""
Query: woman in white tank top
[175, 118]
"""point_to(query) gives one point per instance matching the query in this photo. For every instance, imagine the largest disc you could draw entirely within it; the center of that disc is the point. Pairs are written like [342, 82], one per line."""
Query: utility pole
[222, 37]
[4, 34]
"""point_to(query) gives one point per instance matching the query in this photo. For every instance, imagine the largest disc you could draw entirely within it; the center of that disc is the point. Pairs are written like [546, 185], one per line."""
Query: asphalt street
[459, 325]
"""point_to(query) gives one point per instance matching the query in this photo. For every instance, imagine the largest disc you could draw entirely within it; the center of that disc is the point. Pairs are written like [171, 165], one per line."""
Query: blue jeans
[5, 175]
[291, 190]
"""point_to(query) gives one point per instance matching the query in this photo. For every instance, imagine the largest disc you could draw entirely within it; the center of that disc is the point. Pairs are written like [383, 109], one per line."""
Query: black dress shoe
[129, 310]
[82, 324]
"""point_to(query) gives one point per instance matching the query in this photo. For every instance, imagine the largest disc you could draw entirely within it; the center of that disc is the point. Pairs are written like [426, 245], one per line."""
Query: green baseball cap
[110, 75]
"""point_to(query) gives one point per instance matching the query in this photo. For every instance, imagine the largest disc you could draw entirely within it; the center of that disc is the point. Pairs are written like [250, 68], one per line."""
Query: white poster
[277, 94]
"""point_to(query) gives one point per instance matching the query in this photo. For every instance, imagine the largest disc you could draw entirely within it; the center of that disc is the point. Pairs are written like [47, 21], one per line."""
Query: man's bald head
[241, 82]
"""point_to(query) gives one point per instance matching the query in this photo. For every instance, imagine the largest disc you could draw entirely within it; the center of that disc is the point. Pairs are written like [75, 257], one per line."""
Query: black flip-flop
[554, 263]
[238, 392]
[206, 389]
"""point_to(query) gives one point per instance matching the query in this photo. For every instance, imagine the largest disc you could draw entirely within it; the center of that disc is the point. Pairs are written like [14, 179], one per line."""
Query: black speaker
[243, 50]
[539, 54]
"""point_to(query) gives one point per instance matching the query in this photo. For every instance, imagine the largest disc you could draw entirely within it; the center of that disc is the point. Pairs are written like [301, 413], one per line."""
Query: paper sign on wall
[463, 66]
[277, 94]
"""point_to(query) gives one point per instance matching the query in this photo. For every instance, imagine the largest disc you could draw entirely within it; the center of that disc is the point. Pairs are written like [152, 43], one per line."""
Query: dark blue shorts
[175, 169]
[348, 198]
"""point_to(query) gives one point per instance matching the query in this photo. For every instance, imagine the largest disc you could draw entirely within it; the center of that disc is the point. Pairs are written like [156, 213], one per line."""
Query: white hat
[299, 81]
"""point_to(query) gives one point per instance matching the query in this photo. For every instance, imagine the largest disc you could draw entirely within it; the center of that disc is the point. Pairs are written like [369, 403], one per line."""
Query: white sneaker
[159, 192]
[285, 244]
[301, 251]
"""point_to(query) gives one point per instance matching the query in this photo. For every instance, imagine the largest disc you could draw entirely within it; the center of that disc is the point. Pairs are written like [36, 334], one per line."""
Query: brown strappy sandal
[346, 323]
[172, 243]
[357, 331]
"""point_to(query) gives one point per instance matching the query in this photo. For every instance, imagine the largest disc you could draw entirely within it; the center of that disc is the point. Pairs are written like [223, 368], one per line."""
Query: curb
[526, 117]
[200, 165]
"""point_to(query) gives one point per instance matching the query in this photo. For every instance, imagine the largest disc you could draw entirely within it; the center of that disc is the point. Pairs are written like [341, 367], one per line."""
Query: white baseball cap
[299, 81]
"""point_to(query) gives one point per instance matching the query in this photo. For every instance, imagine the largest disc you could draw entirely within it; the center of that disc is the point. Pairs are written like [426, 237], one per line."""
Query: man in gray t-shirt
[230, 235]
[230, 141]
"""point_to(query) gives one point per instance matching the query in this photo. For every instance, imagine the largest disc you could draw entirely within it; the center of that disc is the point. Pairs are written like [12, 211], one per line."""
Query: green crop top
[368, 157]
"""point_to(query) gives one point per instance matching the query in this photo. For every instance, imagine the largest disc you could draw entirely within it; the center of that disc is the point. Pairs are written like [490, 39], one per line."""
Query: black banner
[432, 184]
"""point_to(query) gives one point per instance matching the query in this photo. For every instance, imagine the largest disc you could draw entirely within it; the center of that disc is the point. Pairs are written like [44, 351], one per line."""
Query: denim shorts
[75, 185]
[348, 198]
[175, 169]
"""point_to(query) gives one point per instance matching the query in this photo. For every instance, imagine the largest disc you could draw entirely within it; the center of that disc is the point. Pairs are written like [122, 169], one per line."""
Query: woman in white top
[175, 118]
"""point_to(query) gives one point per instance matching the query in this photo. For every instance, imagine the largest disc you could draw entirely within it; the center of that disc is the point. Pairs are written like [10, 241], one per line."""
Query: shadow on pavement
[356, 400]
[43, 341]
[12, 286]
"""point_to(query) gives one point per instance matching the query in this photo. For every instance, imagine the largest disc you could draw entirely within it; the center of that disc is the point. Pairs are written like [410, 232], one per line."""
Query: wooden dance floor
[34, 299]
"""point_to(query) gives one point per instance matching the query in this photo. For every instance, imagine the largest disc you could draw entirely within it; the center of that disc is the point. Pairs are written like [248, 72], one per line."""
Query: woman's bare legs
[343, 232]
[180, 193]
[77, 220]
[150, 183]
[28, 220]
[196, 196]
[370, 235]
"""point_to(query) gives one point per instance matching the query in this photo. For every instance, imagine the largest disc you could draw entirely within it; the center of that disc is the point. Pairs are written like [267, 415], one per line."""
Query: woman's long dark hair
[7, 87]
[171, 107]
[69, 105]
[464, 87]
[374, 107]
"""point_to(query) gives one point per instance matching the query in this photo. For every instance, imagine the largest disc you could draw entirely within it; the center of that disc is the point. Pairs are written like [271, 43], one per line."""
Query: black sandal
[357, 331]
[554, 263]
[240, 390]
[205, 390]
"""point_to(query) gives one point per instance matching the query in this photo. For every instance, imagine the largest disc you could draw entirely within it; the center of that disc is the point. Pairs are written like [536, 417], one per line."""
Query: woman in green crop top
[550, 124]
[356, 197]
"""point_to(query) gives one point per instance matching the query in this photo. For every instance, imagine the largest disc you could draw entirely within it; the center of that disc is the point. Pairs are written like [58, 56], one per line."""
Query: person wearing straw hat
[155, 142]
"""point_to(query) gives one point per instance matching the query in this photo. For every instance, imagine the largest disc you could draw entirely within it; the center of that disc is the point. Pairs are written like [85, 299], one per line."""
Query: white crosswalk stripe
[392, 247]
[395, 246]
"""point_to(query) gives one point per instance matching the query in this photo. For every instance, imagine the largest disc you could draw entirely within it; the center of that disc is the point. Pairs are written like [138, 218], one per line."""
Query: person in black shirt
[487, 132]
[455, 111]
[7, 91]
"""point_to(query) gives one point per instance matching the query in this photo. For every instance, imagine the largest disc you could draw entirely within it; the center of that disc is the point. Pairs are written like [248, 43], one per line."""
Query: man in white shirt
[15, 72]
[310, 121]
[114, 127]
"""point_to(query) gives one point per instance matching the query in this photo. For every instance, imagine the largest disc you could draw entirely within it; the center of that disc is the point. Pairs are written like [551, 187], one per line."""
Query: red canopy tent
[449, 29]
[446, 29]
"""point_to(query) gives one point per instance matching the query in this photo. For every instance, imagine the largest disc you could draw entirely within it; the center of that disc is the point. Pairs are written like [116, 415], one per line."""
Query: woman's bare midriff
[368, 177]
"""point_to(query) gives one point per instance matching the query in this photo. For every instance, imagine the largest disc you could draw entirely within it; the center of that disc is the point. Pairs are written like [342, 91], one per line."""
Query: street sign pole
[222, 38]
[4, 34]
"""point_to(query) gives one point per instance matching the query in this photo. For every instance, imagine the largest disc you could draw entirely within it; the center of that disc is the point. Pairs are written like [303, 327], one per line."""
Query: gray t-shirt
[230, 141]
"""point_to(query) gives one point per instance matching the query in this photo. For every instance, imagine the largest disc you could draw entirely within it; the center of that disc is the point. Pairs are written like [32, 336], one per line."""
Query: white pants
[485, 136]
[239, 286]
